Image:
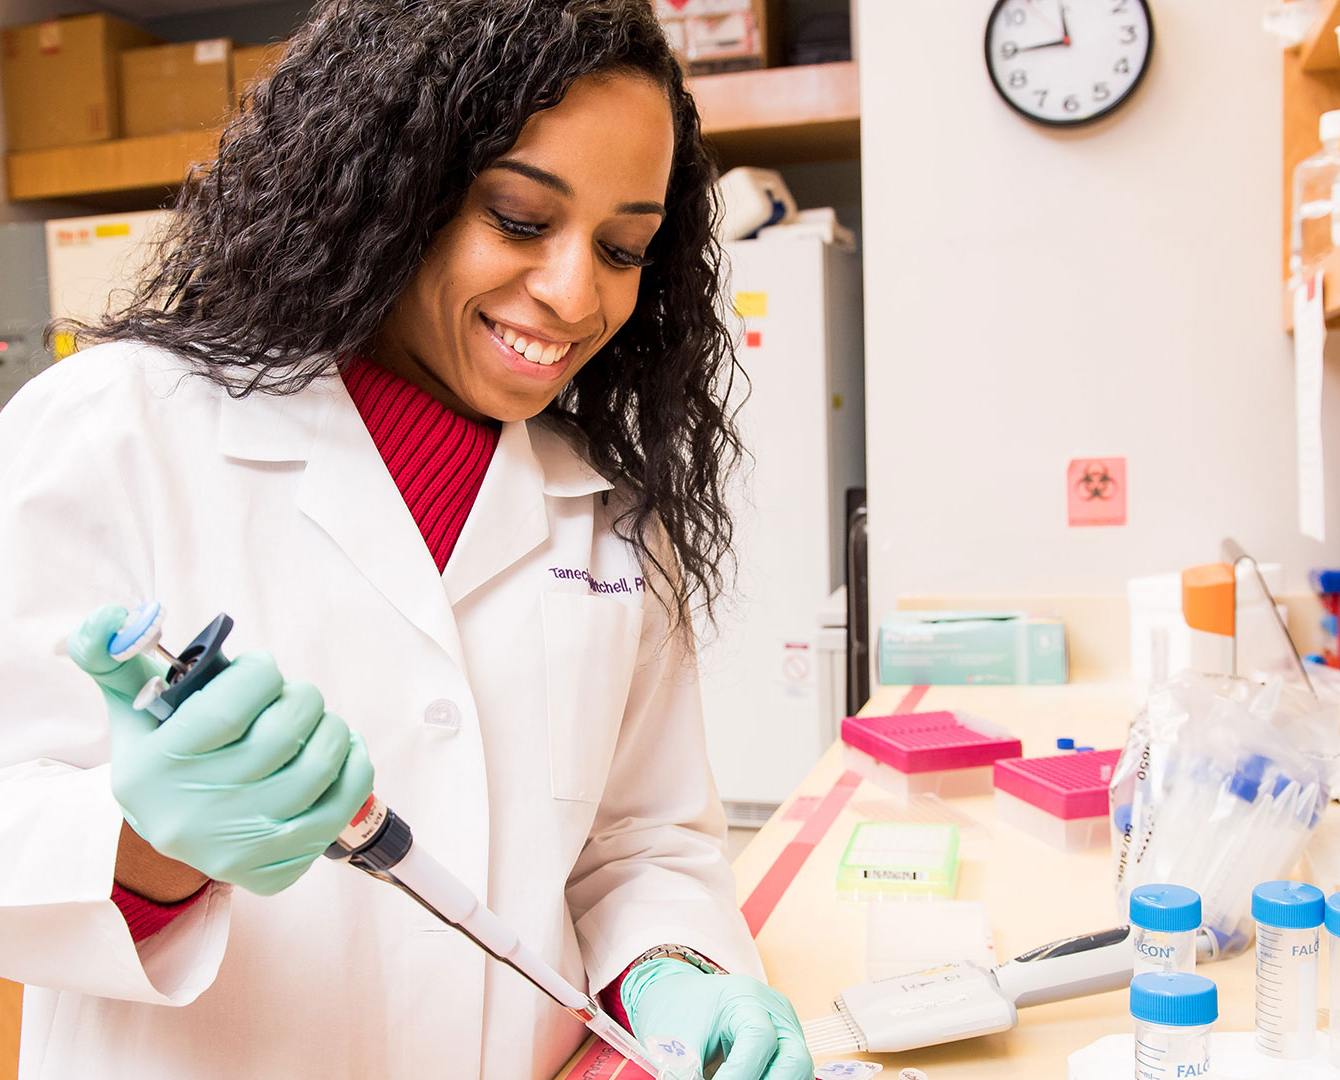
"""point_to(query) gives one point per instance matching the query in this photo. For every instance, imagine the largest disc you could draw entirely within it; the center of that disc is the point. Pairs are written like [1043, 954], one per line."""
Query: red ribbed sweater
[438, 461]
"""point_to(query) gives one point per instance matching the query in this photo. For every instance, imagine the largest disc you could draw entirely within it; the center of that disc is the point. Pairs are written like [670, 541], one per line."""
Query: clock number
[1120, 7]
[1127, 34]
[1018, 16]
[1071, 103]
[1122, 66]
[1101, 92]
[1042, 97]
[1008, 49]
[1018, 79]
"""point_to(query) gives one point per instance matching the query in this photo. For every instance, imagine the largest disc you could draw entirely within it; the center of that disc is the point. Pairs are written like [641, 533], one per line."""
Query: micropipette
[377, 841]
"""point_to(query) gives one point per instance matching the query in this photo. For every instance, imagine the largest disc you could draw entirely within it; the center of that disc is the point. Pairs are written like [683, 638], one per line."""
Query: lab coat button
[444, 714]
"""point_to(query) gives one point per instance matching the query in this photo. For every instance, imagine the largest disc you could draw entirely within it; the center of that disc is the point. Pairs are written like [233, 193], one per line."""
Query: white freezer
[804, 424]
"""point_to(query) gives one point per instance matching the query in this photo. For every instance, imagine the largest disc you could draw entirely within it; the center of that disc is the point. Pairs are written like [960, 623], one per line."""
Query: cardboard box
[176, 87]
[61, 80]
[963, 648]
[251, 63]
[723, 35]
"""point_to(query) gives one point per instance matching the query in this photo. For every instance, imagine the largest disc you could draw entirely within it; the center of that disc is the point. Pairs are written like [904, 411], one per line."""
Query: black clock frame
[1045, 122]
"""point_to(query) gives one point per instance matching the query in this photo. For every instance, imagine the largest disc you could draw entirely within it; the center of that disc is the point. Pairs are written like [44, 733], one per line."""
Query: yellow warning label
[115, 228]
[751, 305]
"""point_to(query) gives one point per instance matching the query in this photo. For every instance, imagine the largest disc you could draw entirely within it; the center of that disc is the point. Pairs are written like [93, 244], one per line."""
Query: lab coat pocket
[590, 645]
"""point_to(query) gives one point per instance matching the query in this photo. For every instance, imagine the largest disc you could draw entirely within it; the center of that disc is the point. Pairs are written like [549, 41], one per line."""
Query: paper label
[211, 52]
[751, 305]
[1096, 491]
[1309, 340]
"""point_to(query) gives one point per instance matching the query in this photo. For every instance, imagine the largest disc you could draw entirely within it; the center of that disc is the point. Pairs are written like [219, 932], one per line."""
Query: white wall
[1033, 296]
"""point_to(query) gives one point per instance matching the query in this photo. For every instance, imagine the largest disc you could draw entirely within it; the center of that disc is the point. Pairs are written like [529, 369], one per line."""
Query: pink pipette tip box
[1062, 799]
[941, 753]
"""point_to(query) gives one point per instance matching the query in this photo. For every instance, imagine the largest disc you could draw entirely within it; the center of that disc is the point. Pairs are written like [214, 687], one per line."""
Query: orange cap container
[1208, 598]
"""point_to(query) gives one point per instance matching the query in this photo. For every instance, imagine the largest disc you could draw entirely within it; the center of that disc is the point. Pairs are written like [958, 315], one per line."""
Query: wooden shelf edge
[772, 115]
[149, 161]
[784, 97]
[1320, 50]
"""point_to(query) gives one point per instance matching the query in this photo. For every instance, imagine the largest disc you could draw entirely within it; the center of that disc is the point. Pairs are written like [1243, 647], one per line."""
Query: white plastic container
[1288, 918]
[1174, 1015]
[1333, 933]
[1068, 834]
[1164, 920]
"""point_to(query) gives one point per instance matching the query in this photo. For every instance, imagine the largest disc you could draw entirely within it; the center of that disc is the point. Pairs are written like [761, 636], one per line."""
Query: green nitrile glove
[249, 781]
[733, 1017]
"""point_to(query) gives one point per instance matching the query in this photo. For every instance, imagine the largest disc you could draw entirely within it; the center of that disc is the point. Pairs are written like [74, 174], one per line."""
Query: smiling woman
[426, 388]
[541, 265]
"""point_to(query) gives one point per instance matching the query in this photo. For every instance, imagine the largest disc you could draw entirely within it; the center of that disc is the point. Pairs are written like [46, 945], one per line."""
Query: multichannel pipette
[377, 841]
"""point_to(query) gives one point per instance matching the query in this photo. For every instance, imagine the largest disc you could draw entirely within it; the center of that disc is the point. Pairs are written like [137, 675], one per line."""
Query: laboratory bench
[813, 943]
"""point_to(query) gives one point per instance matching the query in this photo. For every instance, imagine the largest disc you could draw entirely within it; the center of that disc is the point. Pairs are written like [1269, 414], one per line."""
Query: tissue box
[963, 648]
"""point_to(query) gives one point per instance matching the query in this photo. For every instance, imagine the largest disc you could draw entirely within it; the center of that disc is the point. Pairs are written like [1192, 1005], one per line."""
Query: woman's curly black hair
[289, 250]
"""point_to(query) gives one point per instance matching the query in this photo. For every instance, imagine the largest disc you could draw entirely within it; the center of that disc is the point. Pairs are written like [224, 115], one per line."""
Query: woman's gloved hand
[249, 781]
[733, 1017]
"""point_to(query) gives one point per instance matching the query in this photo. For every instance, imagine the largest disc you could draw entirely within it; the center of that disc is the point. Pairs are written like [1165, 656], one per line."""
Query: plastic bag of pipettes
[1220, 786]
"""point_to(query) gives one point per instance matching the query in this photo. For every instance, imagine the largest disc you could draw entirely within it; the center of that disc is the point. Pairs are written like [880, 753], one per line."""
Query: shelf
[1320, 50]
[780, 116]
[151, 163]
[771, 117]
[1307, 94]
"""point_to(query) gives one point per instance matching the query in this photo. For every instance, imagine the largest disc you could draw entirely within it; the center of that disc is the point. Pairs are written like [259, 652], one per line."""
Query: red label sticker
[753, 339]
[1096, 491]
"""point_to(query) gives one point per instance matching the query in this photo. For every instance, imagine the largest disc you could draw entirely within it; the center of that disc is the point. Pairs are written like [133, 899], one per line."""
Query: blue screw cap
[1168, 908]
[1289, 905]
[1333, 914]
[1065, 744]
[1174, 1000]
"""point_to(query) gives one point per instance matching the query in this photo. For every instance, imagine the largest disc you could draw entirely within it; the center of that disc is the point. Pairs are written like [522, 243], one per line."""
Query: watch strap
[680, 952]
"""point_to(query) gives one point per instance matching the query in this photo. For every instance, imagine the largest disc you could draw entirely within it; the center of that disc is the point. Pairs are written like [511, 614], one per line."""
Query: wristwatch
[680, 952]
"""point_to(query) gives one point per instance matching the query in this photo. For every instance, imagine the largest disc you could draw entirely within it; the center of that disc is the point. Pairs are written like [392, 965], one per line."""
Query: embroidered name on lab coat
[620, 586]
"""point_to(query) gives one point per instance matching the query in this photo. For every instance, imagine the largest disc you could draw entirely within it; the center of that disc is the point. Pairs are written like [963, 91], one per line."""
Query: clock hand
[1038, 11]
[1045, 45]
[1065, 31]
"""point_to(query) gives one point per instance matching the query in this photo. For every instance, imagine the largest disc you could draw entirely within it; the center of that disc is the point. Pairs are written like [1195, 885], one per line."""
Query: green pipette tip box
[896, 860]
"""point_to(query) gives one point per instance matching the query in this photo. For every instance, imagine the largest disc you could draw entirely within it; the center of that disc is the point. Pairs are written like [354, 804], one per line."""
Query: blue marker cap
[1315, 658]
[1290, 905]
[1326, 582]
[1333, 914]
[1175, 1000]
[1169, 908]
[1065, 744]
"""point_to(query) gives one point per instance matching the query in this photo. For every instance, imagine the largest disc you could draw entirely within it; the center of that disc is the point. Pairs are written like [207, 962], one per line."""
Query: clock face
[1068, 62]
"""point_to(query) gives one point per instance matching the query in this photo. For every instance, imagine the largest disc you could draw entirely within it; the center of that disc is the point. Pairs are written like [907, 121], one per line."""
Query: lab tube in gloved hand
[1174, 1014]
[1165, 919]
[1333, 932]
[1288, 918]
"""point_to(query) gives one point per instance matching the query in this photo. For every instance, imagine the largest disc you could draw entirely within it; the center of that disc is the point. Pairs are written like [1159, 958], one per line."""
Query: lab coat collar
[509, 518]
[368, 517]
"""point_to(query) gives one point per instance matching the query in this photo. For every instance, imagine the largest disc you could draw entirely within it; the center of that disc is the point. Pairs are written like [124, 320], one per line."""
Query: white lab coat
[525, 712]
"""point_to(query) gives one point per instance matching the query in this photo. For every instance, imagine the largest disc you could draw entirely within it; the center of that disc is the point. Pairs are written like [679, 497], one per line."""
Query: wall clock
[1068, 62]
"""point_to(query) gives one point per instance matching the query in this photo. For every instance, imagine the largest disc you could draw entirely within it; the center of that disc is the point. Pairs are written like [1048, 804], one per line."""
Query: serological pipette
[378, 841]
